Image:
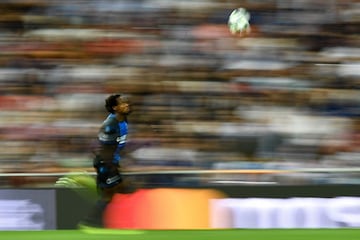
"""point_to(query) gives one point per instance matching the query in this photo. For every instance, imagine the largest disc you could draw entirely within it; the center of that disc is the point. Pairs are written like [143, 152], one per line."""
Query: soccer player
[112, 139]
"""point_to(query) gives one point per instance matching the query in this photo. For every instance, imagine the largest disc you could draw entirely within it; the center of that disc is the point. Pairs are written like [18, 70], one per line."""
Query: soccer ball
[239, 21]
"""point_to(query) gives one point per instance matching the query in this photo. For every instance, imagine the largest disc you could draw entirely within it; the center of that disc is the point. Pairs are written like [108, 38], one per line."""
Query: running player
[112, 139]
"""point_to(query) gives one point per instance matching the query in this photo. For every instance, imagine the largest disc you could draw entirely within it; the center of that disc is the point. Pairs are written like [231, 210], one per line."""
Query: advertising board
[27, 209]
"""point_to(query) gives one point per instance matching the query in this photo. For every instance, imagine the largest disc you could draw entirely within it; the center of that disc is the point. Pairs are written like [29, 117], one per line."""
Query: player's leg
[108, 181]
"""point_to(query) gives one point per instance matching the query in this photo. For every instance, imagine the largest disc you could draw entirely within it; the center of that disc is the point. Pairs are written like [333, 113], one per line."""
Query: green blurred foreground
[226, 234]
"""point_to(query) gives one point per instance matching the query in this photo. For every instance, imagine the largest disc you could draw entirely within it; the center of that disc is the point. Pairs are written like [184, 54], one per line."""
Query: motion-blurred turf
[228, 234]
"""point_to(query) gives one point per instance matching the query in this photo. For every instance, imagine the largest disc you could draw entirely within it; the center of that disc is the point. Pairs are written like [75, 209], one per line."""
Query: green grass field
[226, 234]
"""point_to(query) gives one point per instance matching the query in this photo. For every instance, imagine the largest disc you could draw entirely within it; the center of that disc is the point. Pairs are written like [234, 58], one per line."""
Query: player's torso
[112, 138]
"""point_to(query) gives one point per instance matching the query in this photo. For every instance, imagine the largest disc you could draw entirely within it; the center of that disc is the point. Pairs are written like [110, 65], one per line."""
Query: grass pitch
[224, 234]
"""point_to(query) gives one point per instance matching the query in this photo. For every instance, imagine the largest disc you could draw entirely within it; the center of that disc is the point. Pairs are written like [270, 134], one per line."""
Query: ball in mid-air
[239, 21]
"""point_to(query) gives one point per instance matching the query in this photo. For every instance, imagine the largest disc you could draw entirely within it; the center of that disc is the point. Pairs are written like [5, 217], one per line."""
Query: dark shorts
[108, 175]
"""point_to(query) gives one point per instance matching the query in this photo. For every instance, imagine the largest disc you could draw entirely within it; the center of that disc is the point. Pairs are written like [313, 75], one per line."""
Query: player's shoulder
[110, 120]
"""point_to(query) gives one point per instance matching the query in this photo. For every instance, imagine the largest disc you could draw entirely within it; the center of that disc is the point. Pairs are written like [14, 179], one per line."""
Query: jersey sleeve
[109, 132]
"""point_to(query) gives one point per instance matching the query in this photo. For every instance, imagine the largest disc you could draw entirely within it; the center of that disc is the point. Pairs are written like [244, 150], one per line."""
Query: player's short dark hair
[111, 101]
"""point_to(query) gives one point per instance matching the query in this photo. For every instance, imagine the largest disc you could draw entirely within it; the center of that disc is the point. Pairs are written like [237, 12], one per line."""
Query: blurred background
[285, 97]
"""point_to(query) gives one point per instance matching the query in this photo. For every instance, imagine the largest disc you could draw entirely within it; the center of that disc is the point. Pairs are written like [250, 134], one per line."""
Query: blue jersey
[112, 138]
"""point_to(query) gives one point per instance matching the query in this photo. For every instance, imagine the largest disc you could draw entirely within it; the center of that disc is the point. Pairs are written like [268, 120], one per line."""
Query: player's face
[123, 106]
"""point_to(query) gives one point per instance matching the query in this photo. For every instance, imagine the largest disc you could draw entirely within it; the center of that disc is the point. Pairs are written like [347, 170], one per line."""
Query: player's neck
[120, 117]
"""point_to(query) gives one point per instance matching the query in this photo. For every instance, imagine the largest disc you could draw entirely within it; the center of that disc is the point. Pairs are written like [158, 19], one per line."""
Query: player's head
[117, 103]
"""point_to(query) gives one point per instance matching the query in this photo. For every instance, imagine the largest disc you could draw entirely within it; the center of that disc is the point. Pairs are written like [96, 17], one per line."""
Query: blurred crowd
[286, 96]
